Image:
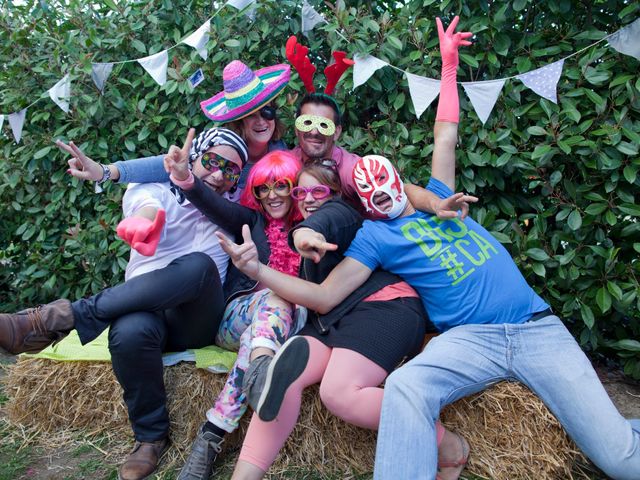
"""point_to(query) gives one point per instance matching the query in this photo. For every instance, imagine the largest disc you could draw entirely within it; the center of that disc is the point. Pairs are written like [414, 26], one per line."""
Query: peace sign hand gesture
[80, 166]
[176, 162]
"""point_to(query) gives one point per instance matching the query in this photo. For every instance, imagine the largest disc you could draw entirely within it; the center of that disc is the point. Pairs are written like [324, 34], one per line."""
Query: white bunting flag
[627, 40]
[99, 74]
[310, 18]
[156, 66]
[483, 96]
[60, 93]
[423, 91]
[241, 4]
[544, 80]
[365, 66]
[16, 120]
[199, 39]
[1, 122]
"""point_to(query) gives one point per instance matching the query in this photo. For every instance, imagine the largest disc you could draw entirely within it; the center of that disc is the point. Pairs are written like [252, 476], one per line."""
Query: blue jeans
[467, 359]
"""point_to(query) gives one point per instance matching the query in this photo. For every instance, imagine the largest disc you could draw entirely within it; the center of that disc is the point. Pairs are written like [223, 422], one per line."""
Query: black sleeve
[228, 215]
[337, 221]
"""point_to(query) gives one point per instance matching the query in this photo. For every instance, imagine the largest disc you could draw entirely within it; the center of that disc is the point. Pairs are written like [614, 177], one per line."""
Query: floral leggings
[258, 319]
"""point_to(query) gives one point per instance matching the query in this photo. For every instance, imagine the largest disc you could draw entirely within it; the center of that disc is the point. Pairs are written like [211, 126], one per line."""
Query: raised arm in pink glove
[450, 41]
[141, 233]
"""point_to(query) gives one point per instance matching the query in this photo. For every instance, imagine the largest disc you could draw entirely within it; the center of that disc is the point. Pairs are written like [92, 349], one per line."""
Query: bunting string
[483, 95]
[155, 65]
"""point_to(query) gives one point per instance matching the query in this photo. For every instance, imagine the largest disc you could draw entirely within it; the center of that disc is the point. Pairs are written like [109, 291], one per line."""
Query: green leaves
[42, 152]
[630, 345]
[587, 316]
[139, 46]
[627, 148]
[575, 220]
[558, 184]
[603, 299]
[111, 4]
[596, 208]
[536, 130]
[469, 60]
[630, 209]
[395, 42]
[519, 5]
[233, 43]
[537, 254]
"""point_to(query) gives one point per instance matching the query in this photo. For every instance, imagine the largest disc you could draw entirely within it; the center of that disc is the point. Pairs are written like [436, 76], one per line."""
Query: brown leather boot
[33, 329]
[143, 460]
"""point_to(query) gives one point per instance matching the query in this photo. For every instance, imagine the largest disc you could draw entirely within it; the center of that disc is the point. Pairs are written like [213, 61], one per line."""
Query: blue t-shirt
[462, 274]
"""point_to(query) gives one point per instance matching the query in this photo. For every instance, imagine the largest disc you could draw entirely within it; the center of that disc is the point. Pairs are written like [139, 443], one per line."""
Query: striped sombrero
[245, 91]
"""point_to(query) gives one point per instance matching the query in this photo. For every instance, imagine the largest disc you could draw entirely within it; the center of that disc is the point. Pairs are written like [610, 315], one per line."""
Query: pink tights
[349, 388]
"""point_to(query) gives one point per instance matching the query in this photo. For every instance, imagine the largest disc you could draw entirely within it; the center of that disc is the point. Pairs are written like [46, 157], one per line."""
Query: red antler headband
[334, 72]
[297, 56]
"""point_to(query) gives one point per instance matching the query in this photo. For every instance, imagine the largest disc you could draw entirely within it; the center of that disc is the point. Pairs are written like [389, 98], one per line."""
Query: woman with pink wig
[256, 322]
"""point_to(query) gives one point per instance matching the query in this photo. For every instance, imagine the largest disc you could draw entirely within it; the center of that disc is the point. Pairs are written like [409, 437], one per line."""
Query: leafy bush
[557, 182]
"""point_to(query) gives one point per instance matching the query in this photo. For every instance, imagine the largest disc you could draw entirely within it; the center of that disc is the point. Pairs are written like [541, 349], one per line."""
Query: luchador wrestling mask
[379, 187]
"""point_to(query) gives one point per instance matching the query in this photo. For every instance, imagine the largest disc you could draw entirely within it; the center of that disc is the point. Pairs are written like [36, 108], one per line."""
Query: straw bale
[512, 434]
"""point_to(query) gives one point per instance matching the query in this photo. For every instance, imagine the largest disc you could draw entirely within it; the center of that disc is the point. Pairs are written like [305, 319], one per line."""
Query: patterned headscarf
[218, 136]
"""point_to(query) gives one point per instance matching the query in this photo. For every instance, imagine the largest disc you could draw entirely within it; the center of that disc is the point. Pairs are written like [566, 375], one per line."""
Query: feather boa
[282, 258]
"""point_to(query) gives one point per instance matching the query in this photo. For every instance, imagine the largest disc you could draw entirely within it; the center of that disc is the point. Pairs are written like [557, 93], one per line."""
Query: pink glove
[141, 233]
[448, 104]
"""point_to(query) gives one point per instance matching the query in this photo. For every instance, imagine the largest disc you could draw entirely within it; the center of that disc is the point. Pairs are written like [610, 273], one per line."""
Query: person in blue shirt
[493, 326]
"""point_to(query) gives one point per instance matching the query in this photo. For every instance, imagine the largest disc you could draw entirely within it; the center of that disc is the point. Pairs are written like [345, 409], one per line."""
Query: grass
[79, 461]
[13, 463]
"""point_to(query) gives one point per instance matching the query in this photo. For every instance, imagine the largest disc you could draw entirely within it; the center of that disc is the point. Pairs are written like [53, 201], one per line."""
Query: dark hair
[326, 176]
[321, 99]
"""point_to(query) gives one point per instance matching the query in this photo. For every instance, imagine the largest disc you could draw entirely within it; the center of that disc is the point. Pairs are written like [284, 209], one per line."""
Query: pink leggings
[349, 388]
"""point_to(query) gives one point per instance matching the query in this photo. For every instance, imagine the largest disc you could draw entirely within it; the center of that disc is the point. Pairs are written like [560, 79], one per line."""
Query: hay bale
[512, 434]
[61, 399]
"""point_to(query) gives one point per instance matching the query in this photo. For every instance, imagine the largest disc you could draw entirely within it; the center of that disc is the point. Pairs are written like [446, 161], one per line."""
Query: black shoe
[287, 365]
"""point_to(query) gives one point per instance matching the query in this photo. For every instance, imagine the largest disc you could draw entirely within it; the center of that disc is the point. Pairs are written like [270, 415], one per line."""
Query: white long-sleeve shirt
[185, 231]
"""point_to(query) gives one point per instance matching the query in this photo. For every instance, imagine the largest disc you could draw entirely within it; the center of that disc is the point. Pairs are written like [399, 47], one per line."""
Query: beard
[321, 149]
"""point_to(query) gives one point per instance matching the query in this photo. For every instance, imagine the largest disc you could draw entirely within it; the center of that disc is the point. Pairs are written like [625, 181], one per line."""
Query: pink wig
[276, 165]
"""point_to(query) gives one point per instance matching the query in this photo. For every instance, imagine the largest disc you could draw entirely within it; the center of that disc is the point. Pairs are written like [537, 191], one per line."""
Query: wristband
[186, 184]
[106, 175]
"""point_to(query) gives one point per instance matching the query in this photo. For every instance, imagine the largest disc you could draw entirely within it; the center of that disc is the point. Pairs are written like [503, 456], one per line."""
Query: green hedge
[557, 183]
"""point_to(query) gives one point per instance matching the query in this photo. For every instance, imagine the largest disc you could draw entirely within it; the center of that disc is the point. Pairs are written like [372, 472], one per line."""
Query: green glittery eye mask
[306, 123]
